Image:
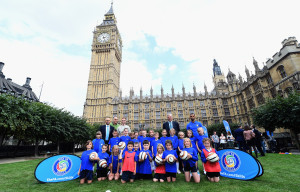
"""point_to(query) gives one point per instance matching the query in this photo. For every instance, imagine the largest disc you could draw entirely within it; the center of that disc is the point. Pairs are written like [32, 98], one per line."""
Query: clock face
[103, 37]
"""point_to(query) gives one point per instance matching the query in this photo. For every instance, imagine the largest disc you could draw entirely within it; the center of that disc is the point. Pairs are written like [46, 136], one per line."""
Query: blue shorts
[88, 174]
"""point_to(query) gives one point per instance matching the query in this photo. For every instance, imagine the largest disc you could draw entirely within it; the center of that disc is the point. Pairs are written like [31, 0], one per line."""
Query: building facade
[7, 86]
[231, 99]
[104, 77]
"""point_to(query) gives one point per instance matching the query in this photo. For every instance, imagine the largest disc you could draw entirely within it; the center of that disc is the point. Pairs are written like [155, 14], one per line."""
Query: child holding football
[170, 154]
[129, 164]
[145, 171]
[190, 162]
[160, 171]
[212, 168]
[102, 171]
[86, 167]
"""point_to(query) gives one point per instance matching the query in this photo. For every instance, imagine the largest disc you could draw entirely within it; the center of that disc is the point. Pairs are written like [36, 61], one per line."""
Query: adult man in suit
[106, 130]
[171, 124]
[239, 138]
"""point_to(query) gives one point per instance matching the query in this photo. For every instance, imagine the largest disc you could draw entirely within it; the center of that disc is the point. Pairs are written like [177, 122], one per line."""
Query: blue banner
[226, 125]
[261, 169]
[58, 168]
[205, 130]
[269, 134]
[240, 165]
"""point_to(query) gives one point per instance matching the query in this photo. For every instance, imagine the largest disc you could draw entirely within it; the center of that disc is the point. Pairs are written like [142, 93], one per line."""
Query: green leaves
[279, 112]
[32, 121]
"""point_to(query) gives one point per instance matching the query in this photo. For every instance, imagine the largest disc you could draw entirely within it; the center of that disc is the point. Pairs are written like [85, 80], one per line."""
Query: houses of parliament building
[231, 99]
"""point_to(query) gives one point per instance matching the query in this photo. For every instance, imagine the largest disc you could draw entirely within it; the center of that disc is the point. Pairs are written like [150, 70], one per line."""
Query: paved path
[17, 159]
[20, 159]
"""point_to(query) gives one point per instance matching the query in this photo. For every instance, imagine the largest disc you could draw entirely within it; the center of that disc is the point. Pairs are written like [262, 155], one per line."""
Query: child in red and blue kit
[212, 169]
[145, 171]
[129, 164]
[86, 167]
[190, 163]
[171, 169]
[160, 171]
[98, 142]
[114, 140]
[114, 164]
[102, 172]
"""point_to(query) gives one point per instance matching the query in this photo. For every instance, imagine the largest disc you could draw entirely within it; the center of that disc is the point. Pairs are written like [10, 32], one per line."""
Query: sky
[165, 43]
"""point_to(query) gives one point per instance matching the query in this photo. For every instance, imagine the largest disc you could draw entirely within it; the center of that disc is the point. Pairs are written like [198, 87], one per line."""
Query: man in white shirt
[123, 126]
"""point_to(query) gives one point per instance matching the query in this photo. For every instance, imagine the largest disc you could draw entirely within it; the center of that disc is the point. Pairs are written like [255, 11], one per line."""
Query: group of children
[129, 166]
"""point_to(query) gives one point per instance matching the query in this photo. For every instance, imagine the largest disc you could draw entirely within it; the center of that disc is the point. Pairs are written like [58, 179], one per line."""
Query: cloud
[161, 69]
[172, 68]
[50, 42]
[136, 75]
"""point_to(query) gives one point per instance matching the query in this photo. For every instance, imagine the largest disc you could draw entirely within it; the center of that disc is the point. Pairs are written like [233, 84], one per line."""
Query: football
[212, 157]
[93, 155]
[142, 155]
[183, 155]
[122, 145]
[103, 163]
[170, 159]
[158, 159]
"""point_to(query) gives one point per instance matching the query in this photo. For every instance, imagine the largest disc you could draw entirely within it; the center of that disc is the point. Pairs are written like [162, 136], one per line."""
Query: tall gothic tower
[104, 77]
[219, 79]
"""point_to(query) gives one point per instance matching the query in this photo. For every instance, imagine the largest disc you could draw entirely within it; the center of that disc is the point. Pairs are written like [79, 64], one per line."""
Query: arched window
[281, 70]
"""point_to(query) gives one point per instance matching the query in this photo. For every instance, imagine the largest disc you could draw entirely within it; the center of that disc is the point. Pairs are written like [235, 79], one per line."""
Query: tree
[219, 128]
[280, 112]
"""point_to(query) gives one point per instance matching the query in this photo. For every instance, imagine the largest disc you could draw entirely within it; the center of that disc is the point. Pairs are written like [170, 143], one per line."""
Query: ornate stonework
[231, 99]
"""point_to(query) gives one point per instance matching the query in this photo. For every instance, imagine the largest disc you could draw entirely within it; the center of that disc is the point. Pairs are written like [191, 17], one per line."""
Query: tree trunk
[296, 138]
[16, 149]
[36, 148]
[2, 136]
[57, 147]
[73, 148]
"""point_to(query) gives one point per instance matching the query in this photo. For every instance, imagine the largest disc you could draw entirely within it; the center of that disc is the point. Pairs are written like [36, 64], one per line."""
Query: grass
[281, 174]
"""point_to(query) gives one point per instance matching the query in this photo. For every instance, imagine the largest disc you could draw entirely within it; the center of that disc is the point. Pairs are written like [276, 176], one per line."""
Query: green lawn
[282, 173]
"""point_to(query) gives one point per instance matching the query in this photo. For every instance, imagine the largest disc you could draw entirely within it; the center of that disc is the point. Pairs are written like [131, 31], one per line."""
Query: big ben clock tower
[104, 77]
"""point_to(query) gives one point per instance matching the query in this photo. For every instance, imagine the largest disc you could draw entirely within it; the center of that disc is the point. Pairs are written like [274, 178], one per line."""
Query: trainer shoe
[178, 172]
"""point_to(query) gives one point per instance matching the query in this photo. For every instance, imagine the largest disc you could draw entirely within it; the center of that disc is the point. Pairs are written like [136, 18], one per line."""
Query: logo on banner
[230, 161]
[62, 166]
